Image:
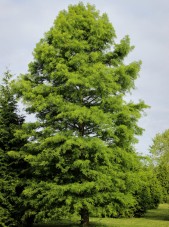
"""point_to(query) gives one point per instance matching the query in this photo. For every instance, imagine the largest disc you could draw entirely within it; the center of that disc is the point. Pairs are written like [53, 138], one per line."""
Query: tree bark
[84, 217]
[29, 221]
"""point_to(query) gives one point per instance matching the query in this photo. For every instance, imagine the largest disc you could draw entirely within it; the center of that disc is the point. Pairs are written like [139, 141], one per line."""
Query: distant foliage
[148, 191]
[160, 157]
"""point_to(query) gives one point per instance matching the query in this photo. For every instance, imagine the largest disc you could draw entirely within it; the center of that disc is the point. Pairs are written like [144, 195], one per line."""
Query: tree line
[77, 158]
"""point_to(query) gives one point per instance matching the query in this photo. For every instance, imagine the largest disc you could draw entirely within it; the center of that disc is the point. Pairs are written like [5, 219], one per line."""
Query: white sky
[23, 23]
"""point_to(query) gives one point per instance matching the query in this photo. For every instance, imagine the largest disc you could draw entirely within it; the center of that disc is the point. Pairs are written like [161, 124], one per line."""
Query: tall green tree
[10, 169]
[81, 147]
[160, 156]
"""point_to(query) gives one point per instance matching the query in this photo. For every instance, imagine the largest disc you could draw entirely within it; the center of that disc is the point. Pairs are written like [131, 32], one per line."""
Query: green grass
[154, 218]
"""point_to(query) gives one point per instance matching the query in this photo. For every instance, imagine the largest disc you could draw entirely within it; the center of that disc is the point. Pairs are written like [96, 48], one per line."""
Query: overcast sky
[23, 23]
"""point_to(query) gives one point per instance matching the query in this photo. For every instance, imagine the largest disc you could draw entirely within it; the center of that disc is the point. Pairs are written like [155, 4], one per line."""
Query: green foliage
[9, 119]
[10, 169]
[160, 147]
[148, 191]
[160, 157]
[81, 146]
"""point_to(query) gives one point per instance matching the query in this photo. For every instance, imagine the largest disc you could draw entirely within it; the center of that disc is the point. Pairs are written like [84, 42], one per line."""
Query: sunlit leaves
[81, 146]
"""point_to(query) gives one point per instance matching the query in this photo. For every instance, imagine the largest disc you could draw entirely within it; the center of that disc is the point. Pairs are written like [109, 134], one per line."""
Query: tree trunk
[29, 221]
[84, 217]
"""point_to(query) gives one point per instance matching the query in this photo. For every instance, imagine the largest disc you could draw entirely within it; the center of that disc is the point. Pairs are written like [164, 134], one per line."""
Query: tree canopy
[81, 146]
[160, 147]
[160, 156]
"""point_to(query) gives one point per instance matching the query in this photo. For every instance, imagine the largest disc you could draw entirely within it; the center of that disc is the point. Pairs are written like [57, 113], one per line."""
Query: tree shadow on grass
[161, 214]
[68, 225]
[93, 224]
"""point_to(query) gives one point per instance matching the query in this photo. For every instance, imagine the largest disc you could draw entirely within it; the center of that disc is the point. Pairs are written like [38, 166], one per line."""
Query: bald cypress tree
[81, 147]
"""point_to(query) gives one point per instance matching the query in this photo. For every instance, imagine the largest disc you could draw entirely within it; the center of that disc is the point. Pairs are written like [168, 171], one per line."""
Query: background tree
[148, 190]
[10, 169]
[160, 156]
[81, 148]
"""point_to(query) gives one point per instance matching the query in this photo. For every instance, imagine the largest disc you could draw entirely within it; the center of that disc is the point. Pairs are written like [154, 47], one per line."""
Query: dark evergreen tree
[81, 148]
[10, 168]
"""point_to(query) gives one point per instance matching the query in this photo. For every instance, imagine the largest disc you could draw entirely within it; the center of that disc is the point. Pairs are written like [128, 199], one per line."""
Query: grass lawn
[154, 218]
